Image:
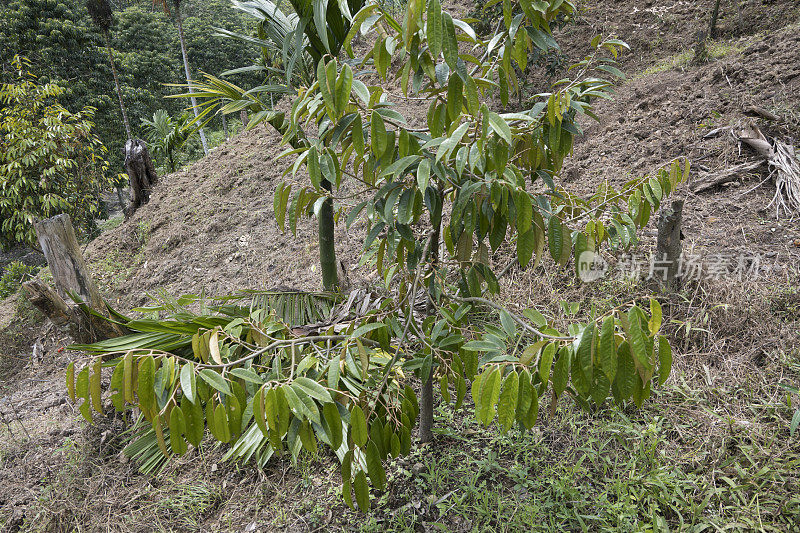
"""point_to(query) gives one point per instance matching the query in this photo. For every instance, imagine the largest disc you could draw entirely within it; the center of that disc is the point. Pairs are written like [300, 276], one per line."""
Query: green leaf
[555, 238]
[795, 422]
[127, 362]
[526, 243]
[529, 420]
[307, 437]
[362, 491]
[546, 362]
[584, 352]
[638, 345]
[507, 405]
[333, 420]
[607, 349]
[71, 380]
[247, 375]
[625, 379]
[312, 388]
[535, 316]
[378, 136]
[449, 42]
[366, 328]
[434, 29]
[82, 391]
[655, 316]
[343, 87]
[524, 211]
[193, 420]
[312, 161]
[94, 385]
[500, 126]
[423, 174]
[215, 380]
[221, 424]
[664, 359]
[116, 385]
[509, 326]
[561, 372]
[188, 381]
[358, 427]
[489, 394]
[177, 427]
[374, 467]
[146, 378]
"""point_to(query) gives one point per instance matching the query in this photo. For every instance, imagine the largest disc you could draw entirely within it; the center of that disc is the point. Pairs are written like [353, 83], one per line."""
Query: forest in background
[64, 47]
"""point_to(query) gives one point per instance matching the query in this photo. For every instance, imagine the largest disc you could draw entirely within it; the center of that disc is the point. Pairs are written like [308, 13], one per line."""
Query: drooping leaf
[215, 380]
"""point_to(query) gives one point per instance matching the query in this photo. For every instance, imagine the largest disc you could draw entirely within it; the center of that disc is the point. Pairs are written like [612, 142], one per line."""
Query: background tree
[179, 23]
[51, 161]
[100, 11]
[65, 47]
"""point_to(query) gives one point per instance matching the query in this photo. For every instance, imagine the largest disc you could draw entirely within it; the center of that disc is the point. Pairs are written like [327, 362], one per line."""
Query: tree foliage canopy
[51, 161]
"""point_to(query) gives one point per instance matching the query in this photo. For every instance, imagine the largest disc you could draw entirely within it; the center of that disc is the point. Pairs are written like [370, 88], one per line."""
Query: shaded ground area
[711, 450]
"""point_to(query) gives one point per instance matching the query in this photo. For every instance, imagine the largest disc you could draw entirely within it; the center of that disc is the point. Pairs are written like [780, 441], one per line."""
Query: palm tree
[179, 23]
[100, 11]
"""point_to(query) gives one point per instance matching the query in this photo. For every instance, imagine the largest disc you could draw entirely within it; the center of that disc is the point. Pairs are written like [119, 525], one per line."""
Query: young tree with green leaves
[473, 179]
[166, 135]
[51, 161]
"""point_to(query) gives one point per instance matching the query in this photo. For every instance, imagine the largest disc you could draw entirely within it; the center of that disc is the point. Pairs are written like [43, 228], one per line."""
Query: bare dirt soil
[212, 228]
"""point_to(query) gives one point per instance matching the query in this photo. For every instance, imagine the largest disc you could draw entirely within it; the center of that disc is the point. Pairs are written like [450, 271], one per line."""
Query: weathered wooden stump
[71, 278]
[141, 173]
[668, 245]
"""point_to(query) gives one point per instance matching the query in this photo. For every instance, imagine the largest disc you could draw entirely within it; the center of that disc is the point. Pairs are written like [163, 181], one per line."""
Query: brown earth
[212, 227]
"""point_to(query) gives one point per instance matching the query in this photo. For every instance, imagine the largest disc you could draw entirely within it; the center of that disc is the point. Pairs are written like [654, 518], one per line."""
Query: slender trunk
[426, 398]
[225, 126]
[189, 75]
[121, 106]
[714, 14]
[327, 243]
[117, 85]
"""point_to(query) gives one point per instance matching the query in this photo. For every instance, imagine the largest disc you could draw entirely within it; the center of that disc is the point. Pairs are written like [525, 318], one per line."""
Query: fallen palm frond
[783, 163]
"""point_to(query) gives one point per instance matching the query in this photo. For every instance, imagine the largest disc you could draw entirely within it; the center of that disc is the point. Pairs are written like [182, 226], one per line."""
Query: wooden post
[141, 173]
[70, 276]
[668, 245]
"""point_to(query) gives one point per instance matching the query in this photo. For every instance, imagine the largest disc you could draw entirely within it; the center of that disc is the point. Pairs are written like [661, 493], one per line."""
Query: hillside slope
[713, 446]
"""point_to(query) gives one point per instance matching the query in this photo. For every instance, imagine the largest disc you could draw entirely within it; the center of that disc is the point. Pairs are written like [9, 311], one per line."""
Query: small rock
[417, 469]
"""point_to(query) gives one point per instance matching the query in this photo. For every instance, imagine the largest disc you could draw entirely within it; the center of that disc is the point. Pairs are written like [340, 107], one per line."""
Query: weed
[13, 276]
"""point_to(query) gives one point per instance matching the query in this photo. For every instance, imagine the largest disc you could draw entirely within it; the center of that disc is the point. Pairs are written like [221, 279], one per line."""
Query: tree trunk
[245, 120]
[72, 280]
[189, 75]
[225, 126]
[426, 397]
[141, 172]
[327, 243]
[714, 15]
[117, 85]
[668, 245]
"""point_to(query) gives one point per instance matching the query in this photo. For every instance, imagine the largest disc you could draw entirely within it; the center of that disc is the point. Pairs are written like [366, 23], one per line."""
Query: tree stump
[141, 173]
[72, 280]
[668, 245]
